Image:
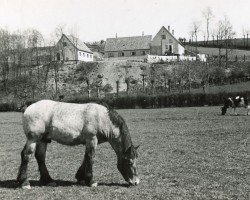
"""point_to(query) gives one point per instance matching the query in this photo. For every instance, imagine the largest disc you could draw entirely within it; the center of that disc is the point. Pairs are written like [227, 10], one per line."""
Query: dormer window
[64, 44]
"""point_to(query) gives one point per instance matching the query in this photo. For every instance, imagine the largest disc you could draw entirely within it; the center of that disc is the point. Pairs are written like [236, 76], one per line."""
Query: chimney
[168, 28]
[116, 35]
[173, 32]
[142, 33]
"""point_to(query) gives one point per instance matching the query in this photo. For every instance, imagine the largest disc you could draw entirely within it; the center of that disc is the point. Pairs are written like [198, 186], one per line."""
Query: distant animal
[74, 124]
[235, 102]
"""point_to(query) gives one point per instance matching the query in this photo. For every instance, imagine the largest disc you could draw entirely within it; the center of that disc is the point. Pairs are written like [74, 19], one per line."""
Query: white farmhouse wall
[181, 49]
[85, 56]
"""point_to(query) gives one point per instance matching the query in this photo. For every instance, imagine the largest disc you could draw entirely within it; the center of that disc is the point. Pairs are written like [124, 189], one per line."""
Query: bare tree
[227, 35]
[195, 29]
[208, 16]
[18, 52]
[5, 47]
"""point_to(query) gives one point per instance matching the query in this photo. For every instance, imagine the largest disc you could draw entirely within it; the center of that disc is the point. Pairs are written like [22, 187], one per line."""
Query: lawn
[185, 153]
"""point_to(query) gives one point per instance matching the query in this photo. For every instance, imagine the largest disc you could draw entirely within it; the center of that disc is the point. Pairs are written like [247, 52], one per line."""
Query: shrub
[146, 101]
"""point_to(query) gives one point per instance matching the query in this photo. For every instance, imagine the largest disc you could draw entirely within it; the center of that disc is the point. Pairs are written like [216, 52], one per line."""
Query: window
[83, 54]
[166, 46]
[120, 54]
[64, 44]
[170, 41]
[58, 56]
[133, 53]
[80, 53]
[90, 56]
[110, 55]
[163, 37]
[87, 55]
[143, 53]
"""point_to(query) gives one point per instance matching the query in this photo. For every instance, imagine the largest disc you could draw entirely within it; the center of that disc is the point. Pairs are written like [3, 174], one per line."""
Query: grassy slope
[215, 51]
[238, 87]
[185, 153]
[111, 71]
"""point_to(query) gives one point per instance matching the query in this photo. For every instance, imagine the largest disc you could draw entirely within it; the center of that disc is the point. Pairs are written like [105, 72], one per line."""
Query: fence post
[117, 88]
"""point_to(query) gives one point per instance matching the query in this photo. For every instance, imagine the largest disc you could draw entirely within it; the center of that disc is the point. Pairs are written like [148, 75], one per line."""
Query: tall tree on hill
[18, 52]
[208, 16]
[5, 47]
[34, 41]
[195, 29]
[227, 34]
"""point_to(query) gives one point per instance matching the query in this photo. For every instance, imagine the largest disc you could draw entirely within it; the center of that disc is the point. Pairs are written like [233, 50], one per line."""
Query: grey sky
[100, 19]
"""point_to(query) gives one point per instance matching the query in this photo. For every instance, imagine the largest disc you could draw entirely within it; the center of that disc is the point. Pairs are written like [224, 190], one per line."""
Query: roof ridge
[131, 36]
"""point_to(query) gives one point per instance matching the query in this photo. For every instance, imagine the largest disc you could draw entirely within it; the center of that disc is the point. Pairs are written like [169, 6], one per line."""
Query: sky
[95, 20]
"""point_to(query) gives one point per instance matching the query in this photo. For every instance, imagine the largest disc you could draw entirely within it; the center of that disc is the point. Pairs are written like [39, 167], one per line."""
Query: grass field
[185, 153]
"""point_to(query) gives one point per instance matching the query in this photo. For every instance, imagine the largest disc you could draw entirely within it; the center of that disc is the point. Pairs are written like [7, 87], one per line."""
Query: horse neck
[122, 141]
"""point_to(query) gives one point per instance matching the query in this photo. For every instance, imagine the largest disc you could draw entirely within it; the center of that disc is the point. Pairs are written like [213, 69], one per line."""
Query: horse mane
[118, 121]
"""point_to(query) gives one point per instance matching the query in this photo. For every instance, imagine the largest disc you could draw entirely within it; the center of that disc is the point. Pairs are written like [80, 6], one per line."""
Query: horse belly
[66, 134]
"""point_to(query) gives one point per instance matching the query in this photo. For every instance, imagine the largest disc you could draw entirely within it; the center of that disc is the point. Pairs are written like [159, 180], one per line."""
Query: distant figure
[234, 102]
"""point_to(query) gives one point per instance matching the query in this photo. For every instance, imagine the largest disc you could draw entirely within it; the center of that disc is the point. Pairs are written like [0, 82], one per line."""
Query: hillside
[71, 76]
[215, 52]
[41, 81]
[69, 80]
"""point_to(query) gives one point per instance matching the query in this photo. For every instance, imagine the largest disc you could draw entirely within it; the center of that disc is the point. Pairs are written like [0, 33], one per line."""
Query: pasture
[185, 153]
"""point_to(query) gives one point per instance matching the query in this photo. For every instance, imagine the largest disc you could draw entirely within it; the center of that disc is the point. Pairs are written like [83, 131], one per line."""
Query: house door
[170, 48]
[58, 56]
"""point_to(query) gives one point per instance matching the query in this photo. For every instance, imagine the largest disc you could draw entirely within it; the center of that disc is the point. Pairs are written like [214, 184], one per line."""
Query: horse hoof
[94, 184]
[26, 187]
[51, 184]
[81, 183]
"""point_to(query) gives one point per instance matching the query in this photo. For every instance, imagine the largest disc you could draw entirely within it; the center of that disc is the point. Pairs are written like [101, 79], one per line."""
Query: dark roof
[80, 45]
[128, 43]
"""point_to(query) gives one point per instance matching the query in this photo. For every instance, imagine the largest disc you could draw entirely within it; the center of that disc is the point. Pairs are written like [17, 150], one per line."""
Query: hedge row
[162, 101]
[146, 101]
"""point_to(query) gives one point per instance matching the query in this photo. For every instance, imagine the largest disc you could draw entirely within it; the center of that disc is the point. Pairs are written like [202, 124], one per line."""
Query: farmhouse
[70, 48]
[120, 47]
[165, 43]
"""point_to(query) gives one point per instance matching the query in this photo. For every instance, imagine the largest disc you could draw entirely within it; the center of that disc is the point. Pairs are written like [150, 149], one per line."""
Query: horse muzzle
[134, 182]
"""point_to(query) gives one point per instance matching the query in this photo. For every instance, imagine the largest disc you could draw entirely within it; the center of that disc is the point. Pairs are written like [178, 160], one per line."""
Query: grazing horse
[235, 102]
[74, 124]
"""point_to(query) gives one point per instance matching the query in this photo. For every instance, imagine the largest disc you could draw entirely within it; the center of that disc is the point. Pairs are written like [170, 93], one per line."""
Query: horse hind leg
[40, 155]
[26, 153]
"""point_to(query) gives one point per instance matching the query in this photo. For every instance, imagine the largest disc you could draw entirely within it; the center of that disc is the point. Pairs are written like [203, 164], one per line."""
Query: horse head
[127, 165]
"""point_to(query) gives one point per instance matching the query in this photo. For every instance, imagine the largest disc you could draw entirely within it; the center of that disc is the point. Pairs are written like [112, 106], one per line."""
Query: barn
[70, 48]
[121, 47]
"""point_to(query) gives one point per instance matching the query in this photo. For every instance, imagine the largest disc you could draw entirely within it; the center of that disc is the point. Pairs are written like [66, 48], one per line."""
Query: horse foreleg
[80, 172]
[89, 161]
[40, 155]
[27, 151]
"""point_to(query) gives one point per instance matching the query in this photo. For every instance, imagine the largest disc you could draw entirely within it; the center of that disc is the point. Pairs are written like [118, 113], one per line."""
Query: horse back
[66, 123]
